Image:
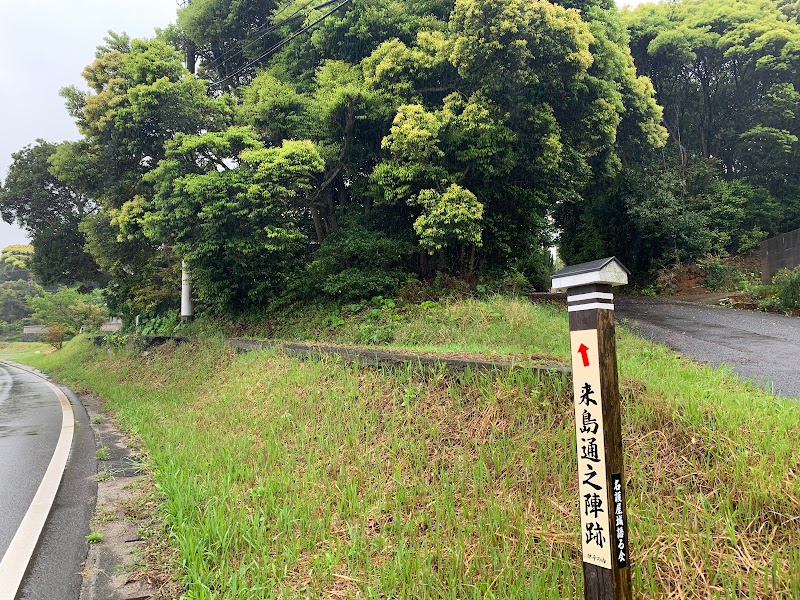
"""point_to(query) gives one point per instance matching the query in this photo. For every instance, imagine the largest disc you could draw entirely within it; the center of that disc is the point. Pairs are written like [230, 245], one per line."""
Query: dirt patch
[686, 280]
[117, 567]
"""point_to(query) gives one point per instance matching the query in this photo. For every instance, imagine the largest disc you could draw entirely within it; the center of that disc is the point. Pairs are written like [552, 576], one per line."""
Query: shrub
[55, 336]
[356, 262]
[166, 324]
[787, 287]
[720, 275]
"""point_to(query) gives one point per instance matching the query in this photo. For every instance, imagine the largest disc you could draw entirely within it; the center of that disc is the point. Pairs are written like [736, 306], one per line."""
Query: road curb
[15, 562]
[362, 355]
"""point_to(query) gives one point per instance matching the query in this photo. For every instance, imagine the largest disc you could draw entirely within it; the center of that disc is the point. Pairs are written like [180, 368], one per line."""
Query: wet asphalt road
[761, 347]
[30, 423]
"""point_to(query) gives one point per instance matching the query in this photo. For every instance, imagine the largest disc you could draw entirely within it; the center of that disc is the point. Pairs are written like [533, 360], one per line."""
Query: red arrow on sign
[584, 352]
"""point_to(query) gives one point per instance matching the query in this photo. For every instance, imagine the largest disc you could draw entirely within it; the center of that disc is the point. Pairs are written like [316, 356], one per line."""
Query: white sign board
[592, 487]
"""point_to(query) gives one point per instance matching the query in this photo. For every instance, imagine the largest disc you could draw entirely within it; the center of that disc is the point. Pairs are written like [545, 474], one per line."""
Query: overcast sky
[44, 46]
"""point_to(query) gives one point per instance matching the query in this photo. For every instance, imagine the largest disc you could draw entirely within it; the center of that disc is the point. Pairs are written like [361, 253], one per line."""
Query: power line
[283, 42]
[267, 29]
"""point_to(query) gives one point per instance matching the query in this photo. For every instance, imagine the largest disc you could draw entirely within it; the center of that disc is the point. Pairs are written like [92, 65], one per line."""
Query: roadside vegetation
[288, 478]
[23, 301]
[361, 172]
[782, 295]
[400, 140]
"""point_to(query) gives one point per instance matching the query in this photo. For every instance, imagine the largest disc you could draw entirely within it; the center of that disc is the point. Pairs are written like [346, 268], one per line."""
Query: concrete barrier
[779, 252]
[34, 333]
[112, 325]
[360, 355]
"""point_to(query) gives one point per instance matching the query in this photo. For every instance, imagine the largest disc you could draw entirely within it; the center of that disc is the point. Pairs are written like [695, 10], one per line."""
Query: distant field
[291, 478]
[7, 348]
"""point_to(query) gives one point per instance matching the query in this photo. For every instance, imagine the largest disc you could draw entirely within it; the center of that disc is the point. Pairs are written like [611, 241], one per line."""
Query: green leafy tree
[450, 217]
[50, 210]
[453, 131]
[14, 297]
[726, 73]
[227, 35]
[69, 308]
[354, 33]
[273, 108]
[229, 205]
[435, 154]
[542, 107]
[140, 97]
[15, 262]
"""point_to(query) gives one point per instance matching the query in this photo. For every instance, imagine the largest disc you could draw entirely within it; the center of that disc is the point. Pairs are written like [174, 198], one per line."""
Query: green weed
[287, 478]
[105, 474]
[95, 537]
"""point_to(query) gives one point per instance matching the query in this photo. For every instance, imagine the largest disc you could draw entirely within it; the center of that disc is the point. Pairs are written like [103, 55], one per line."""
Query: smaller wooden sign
[620, 522]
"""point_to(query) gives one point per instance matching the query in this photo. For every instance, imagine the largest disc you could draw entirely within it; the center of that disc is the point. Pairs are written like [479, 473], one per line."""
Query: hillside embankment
[290, 477]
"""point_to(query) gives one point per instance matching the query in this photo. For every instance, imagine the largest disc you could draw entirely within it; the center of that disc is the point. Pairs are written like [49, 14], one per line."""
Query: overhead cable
[283, 42]
[264, 30]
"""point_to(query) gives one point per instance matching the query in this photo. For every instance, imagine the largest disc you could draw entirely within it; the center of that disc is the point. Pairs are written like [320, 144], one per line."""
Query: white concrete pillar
[187, 308]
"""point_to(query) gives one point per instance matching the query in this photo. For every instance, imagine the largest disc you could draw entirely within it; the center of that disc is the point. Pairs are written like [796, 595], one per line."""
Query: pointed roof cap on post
[607, 271]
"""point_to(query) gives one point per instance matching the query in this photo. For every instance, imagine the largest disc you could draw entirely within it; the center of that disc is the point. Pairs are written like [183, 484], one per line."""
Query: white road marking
[19, 552]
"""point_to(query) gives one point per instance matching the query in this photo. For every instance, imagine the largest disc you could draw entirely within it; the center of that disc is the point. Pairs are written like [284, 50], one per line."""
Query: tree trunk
[318, 226]
[332, 224]
[472, 254]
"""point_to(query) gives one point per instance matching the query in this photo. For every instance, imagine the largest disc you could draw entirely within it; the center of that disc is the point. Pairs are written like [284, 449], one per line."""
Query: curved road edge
[762, 348]
[57, 551]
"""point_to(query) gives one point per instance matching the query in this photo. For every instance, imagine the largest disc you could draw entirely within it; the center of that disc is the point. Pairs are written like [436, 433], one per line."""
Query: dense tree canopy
[140, 97]
[16, 289]
[226, 203]
[15, 262]
[338, 149]
[727, 74]
[68, 308]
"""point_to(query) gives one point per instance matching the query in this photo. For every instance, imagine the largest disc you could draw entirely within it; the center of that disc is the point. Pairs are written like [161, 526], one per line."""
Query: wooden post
[598, 427]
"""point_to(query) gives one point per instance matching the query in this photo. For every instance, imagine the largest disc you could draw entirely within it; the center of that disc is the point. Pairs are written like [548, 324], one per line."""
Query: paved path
[759, 346]
[30, 421]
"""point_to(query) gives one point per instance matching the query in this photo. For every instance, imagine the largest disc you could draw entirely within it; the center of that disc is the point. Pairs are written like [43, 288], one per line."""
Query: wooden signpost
[598, 431]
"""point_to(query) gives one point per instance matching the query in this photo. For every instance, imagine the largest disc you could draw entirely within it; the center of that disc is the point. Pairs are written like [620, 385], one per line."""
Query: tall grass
[282, 478]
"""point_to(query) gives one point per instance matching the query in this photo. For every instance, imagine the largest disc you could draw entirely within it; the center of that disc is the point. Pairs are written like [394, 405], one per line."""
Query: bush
[787, 287]
[720, 275]
[166, 324]
[55, 336]
[356, 262]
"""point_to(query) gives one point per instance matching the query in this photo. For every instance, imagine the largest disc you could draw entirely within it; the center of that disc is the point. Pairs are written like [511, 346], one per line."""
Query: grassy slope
[293, 478]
